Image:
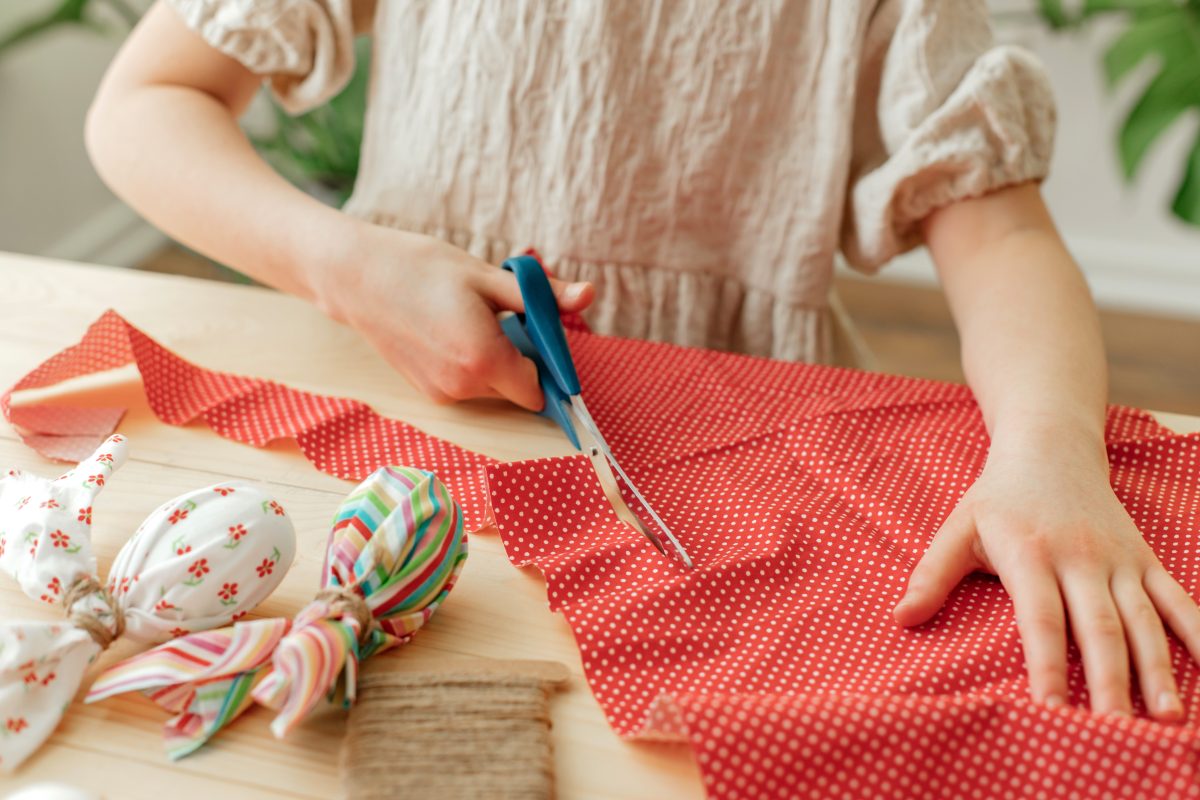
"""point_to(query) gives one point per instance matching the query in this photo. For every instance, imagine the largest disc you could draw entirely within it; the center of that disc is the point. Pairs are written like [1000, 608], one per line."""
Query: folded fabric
[806, 495]
[198, 561]
[395, 551]
[340, 436]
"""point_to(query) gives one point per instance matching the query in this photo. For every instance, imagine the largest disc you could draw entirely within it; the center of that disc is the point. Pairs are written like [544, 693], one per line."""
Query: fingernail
[1169, 701]
[1055, 700]
[575, 291]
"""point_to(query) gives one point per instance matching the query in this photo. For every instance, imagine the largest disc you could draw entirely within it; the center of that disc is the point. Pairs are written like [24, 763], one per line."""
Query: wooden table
[496, 611]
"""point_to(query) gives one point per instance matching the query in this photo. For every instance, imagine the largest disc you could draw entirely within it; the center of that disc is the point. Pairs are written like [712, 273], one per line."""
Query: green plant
[322, 146]
[317, 151]
[1167, 31]
[68, 12]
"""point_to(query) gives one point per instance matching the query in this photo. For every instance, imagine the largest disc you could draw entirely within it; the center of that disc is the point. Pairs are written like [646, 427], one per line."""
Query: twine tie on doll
[343, 602]
[394, 553]
[103, 633]
[197, 562]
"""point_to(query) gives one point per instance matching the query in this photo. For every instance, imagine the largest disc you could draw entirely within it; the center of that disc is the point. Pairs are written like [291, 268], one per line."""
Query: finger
[1147, 640]
[515, 378]
[1038, 607]
[574, 296]
[500, 288]
[1101, 640]
[440, 398]
[493, 368]
[419, 380]
[950, 558]
[1177, 607]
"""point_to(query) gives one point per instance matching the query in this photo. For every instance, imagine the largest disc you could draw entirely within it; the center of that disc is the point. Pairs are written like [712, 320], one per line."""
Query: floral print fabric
[197, 562]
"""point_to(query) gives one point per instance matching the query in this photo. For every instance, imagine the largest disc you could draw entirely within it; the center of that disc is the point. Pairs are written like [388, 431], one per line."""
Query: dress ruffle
[687, 308]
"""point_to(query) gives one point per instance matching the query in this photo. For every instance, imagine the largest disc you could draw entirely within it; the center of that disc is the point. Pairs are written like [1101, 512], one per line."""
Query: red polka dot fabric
[805, 495]
[341, 437]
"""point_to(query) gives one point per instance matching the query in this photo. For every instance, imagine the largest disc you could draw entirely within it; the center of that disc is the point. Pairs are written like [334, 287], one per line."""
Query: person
[690, 168]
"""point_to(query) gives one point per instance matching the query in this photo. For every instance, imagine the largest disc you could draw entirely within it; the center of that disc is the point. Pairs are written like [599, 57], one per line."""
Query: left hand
[1044, 519]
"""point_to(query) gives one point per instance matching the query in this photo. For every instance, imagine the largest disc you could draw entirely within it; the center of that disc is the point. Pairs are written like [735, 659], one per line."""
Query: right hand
[430, 310]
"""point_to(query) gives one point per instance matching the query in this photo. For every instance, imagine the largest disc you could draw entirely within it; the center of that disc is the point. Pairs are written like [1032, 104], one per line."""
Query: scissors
[539, 335]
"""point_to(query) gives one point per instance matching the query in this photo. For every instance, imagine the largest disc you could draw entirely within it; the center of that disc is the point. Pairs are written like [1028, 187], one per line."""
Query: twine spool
[466, 729]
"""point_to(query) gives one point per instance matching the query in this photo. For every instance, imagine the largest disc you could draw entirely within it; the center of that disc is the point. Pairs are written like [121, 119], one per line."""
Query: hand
[430, 310]
[1045, 520]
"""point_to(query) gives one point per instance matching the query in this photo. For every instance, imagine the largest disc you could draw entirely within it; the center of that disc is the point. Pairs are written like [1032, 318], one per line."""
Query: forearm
[179, 159]
[163, 135]
[1031, 343]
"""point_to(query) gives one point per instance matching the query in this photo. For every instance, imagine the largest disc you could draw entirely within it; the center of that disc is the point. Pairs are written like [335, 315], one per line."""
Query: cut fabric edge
[594, 497]
[519, 557]
[111, 342]
[818, 734]
[678, 717]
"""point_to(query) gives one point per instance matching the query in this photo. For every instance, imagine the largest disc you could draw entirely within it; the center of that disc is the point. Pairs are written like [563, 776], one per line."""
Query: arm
[163, 133]
[1042, 515]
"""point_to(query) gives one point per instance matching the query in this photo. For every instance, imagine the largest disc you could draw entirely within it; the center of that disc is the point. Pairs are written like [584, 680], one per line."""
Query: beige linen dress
[701, 161]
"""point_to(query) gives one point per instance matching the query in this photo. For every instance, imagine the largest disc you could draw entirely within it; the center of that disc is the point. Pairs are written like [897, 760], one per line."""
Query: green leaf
[1166, 98]
[1186, 205]
[1137, 7]
[1159, 34]
[322, 145]
[1054, 13]
[1167, 31]
[68, 12]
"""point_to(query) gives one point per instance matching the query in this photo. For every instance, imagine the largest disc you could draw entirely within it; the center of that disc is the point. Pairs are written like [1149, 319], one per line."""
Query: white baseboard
[1156, 279]
[116, 236]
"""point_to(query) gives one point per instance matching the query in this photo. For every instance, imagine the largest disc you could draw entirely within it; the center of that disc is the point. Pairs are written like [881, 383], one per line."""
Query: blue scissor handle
[519, 328]
[556, 401]
[542, 322]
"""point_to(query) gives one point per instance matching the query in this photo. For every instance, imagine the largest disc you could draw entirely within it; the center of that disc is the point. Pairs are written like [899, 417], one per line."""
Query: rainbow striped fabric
[397, 541]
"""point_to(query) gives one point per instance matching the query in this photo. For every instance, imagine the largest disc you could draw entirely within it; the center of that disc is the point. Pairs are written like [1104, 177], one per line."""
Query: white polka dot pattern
[341, 437]
[806, 495]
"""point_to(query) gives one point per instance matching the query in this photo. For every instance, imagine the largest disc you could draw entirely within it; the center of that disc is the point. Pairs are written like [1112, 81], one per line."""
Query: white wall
[1134, 253]
[51, 202]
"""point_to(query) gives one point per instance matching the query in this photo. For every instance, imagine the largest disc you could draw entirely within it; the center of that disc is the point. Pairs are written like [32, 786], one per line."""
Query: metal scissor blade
[604, 463]
[608, 481]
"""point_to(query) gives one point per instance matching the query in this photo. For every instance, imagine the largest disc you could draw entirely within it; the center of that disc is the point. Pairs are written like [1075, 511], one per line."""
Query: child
[689, 168]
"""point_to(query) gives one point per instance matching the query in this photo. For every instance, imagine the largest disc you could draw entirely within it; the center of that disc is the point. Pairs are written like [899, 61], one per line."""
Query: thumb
[573, 296]
[950, 558]
[501, 290]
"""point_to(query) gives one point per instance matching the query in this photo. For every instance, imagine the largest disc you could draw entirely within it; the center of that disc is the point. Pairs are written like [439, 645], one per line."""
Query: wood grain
[496, 611]
[1153, 361]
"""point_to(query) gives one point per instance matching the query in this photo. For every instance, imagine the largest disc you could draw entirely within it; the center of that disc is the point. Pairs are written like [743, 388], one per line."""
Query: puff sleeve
[305, 48]
[942, 114]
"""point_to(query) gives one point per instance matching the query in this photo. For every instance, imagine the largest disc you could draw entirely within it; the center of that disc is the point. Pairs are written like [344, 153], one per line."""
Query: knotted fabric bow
[197, 562]
[394, 553]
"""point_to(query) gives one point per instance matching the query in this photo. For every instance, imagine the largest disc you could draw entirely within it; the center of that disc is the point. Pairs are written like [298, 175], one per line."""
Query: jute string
[347, 602]
[102, 632]
[467, 734]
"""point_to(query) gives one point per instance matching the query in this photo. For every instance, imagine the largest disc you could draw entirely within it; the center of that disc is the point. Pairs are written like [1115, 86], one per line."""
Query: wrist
[340, 263]
[331, 254]
[317, 249]
[1062, 437]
